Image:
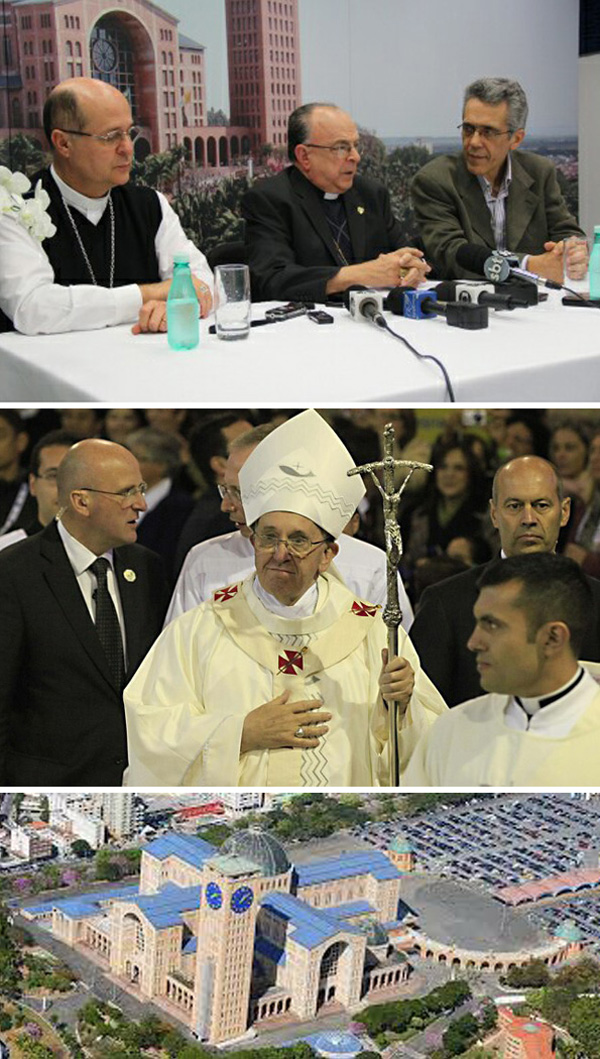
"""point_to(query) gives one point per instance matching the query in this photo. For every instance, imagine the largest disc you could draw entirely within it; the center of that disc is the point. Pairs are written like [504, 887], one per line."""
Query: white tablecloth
[547, 353]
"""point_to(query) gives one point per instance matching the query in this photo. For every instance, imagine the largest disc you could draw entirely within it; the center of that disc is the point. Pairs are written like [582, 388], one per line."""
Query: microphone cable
[382, 322]
[575, 293]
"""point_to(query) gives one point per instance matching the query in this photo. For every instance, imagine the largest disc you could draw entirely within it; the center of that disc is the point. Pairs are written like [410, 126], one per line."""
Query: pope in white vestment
[188, 701]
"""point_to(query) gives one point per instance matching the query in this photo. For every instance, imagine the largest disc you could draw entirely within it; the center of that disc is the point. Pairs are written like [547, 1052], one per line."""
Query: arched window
[112, 58]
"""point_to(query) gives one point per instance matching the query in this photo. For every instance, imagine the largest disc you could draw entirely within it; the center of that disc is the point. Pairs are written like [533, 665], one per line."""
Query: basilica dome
[260, 847]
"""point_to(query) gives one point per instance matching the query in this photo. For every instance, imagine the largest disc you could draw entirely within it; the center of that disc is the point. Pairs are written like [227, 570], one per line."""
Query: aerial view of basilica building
[228, 939]
[225, 938]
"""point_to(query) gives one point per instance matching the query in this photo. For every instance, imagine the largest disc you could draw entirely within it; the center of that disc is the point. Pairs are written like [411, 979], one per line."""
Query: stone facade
[139, 49]
[226, 938]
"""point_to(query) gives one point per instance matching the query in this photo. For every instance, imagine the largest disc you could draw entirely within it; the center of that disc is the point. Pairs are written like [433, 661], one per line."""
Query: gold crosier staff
[392, 615]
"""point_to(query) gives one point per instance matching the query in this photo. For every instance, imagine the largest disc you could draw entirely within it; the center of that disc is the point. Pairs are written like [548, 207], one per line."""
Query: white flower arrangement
[30, 213]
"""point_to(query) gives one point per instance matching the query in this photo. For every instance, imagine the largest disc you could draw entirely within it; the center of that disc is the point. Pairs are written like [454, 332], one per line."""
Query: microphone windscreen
[394, 300]
[473, 257]
[446, 291]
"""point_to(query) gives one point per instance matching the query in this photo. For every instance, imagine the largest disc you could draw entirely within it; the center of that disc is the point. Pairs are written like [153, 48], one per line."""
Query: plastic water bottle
[183, 328]
[594, 267]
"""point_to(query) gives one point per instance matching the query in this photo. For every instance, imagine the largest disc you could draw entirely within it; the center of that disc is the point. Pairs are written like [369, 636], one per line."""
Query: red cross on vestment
[363, 610]
[223, 594]
[290, 662]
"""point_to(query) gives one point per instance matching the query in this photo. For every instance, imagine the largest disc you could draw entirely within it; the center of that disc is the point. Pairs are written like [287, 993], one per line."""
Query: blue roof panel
[189, 848]
[353, 908]
[85, 904]
[346, 866]
[309, 926]
[165, 908]
[162, 909]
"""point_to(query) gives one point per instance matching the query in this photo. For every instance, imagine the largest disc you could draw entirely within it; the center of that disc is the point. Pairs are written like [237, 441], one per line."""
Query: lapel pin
[360, 209]
[129, 575]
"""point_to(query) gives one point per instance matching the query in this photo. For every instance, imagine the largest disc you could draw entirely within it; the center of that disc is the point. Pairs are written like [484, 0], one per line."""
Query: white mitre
[302, 467]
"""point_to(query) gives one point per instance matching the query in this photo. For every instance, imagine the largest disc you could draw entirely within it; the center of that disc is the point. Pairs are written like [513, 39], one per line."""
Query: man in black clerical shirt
[317, 228]
[110, 259]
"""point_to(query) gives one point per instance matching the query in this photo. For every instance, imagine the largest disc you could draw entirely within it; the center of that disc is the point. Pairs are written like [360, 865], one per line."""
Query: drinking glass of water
[232, 301]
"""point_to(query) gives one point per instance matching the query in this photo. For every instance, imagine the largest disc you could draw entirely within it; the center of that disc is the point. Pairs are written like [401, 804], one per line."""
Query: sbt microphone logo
[496, 268]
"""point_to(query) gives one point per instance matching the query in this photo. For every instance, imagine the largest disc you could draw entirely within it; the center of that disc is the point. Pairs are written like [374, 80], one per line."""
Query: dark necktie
[335, 212]
[107, 623]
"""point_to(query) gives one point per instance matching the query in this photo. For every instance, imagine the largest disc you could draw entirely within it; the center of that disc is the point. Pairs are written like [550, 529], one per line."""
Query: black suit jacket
[61, 716]
[161, 527]
[291, 250]
[205, 521]
[444, 622]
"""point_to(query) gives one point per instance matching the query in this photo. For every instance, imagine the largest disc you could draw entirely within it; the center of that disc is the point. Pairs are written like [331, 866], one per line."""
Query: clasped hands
[300, 725]
[550, 263]
[405, 267]
[153, 314]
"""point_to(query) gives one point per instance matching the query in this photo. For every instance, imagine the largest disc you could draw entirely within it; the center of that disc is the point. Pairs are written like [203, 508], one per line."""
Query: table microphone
[479, 293]
[497, 266]
[365, 304]
[420, 304]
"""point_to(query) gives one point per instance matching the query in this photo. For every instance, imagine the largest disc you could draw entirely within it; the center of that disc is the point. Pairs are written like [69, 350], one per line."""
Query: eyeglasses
[343, 149]
[109, 138]
[230, 492]
[124, 495]
[298, 545]
[486, 132]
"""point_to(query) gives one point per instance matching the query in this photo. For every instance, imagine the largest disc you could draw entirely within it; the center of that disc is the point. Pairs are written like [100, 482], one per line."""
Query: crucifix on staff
[392, 614]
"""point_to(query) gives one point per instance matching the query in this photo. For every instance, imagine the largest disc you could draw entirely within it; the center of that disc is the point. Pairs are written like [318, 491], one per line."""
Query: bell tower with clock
[250, 864]
[226, 929]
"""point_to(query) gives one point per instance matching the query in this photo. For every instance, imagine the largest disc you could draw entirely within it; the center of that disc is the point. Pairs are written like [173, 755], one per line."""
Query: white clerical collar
[532, 705]
[80, 556]
[333, 195]
[553, 716]
[302, 608]
[92, 209]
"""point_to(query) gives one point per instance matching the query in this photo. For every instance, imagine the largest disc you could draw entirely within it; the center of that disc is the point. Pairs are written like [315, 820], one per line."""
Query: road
[93, 982]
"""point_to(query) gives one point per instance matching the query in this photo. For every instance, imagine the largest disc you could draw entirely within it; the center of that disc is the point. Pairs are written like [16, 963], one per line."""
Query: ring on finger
[299, 733]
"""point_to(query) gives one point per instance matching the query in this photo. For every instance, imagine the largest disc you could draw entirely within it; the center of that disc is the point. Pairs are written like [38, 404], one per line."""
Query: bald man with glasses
[318, 227]
[80, 605]
[491, 193]
[110, 260]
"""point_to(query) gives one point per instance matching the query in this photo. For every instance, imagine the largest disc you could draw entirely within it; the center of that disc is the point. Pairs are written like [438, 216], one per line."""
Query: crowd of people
[443, 517]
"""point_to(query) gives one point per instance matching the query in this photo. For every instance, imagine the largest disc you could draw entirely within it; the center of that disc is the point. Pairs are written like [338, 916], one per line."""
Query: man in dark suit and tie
[528, 508]
[80, 606]
[492, 194]
[317, 228]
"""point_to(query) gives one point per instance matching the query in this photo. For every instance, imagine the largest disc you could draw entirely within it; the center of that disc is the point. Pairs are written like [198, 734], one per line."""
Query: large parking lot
[509, 840]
